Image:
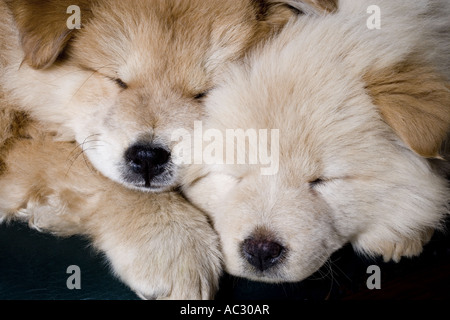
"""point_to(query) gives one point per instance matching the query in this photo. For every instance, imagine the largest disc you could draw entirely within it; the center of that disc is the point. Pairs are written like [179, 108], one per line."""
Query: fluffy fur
[135, 71]
[363, 117]
[129, 76]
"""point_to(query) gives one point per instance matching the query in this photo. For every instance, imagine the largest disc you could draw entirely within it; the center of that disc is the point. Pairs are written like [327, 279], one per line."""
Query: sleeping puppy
[79, 106]
[362, 115]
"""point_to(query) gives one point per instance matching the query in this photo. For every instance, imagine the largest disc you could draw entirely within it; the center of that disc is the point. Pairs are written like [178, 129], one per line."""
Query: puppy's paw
[190, 276]
[161, 255]
[406, 247]
[181, 265]
[49, 214]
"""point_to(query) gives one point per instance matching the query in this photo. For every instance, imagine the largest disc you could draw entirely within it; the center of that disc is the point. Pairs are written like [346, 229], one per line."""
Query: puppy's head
[137, 70]
[353, 147]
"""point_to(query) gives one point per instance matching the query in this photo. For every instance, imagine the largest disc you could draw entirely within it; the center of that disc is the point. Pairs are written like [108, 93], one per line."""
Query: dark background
[33, 266]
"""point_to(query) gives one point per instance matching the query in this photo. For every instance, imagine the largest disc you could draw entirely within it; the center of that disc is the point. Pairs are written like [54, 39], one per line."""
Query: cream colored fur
[342, 96]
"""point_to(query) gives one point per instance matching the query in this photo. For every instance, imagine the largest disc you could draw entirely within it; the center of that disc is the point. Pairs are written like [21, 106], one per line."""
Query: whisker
[72, 162]
[77, 145]
[82, 144]
[342, 272]
[82, 85]
[88, 164]
[82, 150]
[93, 72]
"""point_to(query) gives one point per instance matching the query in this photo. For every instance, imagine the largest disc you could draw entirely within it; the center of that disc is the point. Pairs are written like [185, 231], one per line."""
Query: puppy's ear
[276, 13]
[43, 28]
[305, 6]
[415, 101]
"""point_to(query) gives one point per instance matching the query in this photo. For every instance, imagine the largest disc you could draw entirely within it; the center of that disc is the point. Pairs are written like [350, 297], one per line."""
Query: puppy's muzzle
[147, 161]
[262, 253]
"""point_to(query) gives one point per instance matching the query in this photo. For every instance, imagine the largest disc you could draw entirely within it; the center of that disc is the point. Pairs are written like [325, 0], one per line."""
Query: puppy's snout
[147, 160]
[262, 253]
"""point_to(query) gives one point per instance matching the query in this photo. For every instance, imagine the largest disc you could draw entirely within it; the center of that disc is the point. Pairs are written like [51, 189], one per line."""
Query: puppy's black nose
[147, 160]
[262, 253]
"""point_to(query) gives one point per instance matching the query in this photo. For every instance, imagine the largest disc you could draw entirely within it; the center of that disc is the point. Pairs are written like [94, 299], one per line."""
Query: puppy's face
[346, 174]
[156, 60]
[137, 71]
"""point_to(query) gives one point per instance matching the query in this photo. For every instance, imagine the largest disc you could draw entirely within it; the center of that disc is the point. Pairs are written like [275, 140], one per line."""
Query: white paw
[406, 247]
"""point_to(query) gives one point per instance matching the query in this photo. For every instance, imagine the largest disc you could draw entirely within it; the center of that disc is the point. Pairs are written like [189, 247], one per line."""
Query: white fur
[308, 82]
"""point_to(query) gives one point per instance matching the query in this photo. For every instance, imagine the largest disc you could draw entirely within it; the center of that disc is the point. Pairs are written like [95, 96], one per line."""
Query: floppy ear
[276, 13]
[43, 28]
[309, 6]
[415, 101]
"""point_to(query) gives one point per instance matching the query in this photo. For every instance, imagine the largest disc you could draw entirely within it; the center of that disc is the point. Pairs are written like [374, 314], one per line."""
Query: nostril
[145, 157]
[262, 253]
[154, 156]
[162, 156]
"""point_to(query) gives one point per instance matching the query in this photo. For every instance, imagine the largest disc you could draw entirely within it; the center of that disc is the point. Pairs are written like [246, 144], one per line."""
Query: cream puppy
[362, 115]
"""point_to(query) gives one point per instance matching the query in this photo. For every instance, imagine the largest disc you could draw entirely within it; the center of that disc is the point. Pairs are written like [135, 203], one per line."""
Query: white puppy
[362, 114]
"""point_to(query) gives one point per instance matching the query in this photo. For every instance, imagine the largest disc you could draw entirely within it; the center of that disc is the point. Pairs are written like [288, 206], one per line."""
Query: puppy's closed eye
[201, 95]
[316, 183]
[121, 83]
